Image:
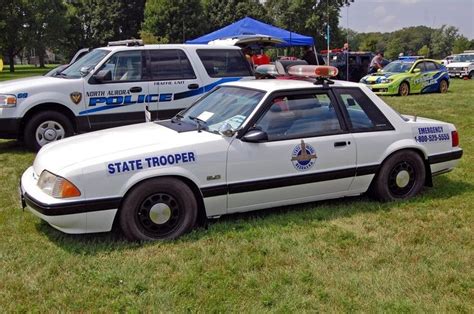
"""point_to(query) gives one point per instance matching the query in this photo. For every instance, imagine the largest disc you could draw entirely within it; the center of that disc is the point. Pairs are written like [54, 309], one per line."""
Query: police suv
[111, 86]
[244, 146]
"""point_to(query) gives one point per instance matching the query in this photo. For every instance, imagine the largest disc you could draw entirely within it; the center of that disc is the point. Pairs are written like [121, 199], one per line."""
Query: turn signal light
[67, 189]
[455, 138]
[313, 71]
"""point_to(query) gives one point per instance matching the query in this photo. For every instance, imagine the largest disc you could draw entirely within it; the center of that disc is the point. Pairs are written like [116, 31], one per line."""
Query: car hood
[18, 85]
[115, 143]
[377, 77]
[458, 64]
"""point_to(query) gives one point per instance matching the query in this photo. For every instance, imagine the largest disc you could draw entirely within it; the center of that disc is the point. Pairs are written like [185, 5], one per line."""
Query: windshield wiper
[201, 124]
[177, 118]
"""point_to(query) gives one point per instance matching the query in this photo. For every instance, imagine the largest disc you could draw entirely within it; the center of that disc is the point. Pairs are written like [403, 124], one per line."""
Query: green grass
[342, 255]
[24, 71]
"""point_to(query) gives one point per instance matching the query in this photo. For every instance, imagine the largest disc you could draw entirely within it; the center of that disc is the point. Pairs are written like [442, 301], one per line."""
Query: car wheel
[46, 127]
[470, 75]
[443, 86]
[401, 176]
[404, 89]
[158, 209]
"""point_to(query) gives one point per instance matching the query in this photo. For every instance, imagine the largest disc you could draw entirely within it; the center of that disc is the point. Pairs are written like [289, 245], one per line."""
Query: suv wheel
[46, 127]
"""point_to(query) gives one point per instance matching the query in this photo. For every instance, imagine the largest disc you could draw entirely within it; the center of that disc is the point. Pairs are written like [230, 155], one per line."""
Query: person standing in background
[376, 63]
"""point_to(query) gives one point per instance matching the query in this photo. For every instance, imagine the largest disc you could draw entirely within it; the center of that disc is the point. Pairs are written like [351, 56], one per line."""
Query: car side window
[224, 62]
[421, 66]
[125, 66]
[362, 113]
[170, 64]
[431, 66]
[296, 116]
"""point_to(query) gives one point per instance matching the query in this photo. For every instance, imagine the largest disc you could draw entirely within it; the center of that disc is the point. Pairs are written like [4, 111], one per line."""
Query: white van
[112, 86]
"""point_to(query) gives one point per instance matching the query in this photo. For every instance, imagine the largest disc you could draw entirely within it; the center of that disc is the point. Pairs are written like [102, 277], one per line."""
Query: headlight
[57, 186]
[7, 101]
[385, 80]
[465, 69]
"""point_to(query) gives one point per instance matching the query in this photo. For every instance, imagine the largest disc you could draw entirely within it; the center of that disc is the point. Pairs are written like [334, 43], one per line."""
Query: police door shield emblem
[76, 97]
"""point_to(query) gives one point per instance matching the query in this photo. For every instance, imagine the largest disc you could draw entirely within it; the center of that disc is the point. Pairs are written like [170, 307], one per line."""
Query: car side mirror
[255, 136]
[85, 70]
[103, 76]
[416, 70]
[226, 130]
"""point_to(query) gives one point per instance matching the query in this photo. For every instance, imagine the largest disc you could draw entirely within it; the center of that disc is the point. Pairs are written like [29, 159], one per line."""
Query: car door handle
[193, 86]
[341, 144]
[135, 89]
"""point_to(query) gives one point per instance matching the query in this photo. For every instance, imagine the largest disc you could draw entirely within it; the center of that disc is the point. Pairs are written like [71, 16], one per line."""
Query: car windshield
[226, 104]
[463, 58]
[90, 60]
[398, 66]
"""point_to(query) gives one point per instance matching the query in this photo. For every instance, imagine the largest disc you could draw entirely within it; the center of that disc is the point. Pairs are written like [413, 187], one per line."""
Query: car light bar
[316, 71]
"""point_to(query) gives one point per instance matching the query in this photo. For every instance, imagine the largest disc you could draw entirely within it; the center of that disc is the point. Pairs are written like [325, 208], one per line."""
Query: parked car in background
[352, 65]
[462, 65]
[447, 60]
[409, 75]
[112, 86]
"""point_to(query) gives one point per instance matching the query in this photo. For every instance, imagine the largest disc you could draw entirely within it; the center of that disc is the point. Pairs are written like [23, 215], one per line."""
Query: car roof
[168, 46]
[271, 85]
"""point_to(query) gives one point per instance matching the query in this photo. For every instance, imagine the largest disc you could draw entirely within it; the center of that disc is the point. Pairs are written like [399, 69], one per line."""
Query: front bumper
[9, 128]
[455, 73]
[80, 216]
[383, 89]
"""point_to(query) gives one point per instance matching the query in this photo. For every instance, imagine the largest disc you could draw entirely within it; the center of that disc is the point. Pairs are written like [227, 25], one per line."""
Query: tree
[220, 13]
[424, 51]
[173, 21]
[46, 22]
[13, 28]
[461, 44]
[93, 23]
[372, 42]
[310, 17]
[442, 41]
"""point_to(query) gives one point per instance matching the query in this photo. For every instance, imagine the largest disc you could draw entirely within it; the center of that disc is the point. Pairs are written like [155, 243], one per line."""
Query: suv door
[309, 154]
[172, 77]
[121, 98]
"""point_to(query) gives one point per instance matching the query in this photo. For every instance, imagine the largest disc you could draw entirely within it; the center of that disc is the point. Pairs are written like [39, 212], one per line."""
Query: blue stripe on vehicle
[435, 87]
[204, 89]
[177, 96]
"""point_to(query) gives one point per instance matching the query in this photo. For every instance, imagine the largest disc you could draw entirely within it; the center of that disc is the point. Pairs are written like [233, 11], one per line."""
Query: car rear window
[224, 62]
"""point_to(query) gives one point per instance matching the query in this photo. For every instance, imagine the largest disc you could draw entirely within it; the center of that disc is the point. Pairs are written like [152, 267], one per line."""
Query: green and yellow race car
[409, 75]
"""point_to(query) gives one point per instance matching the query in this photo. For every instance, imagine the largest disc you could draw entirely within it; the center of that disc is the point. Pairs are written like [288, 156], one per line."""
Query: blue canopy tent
[250, 26]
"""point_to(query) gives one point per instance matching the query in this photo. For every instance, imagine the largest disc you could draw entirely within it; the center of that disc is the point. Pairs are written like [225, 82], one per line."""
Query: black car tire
[46, 127]
[158, 209]
[401, 176]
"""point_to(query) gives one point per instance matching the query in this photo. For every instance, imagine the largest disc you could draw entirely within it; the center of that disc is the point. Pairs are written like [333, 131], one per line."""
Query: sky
[391, 15]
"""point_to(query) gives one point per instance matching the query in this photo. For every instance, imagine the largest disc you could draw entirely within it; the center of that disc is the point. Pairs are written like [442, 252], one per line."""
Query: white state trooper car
[244, 146]
[111, 86]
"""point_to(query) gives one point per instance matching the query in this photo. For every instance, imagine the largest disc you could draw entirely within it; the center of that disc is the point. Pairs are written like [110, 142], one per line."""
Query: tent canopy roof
[250, 26]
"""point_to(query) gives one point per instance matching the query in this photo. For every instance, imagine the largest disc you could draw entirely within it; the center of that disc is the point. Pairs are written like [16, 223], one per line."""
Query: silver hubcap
[160, 213]
[49, 131]
[402, 179]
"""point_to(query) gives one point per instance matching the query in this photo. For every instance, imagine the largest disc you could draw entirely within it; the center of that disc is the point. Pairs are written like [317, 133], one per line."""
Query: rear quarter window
[224, 62]
[362, 114]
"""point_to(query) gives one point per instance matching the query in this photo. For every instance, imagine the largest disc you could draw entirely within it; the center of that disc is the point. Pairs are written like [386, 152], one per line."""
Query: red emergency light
[322, 71]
